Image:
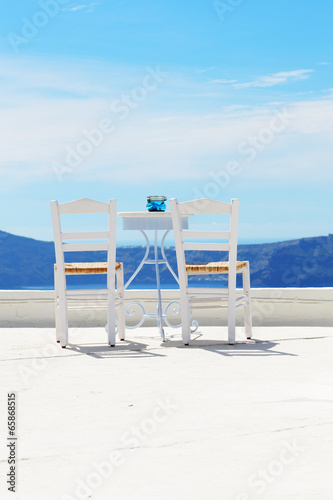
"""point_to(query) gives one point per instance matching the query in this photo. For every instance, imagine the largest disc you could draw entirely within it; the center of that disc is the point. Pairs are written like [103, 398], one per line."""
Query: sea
[133, 286]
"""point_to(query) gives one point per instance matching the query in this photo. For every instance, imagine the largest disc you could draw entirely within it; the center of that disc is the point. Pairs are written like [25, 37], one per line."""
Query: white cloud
[86, 7]
[74, 8]
[36, 128]
[223, 81]
[276, 78]
[73, 76]
[176, 146]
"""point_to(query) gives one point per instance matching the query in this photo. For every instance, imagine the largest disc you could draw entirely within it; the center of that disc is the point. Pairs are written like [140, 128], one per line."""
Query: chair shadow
[259, 348]
[123, 349]
[134, 349]
[251, 347]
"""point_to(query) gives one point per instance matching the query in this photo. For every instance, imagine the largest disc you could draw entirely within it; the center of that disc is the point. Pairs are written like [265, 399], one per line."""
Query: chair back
[79, 241]
[224, 241]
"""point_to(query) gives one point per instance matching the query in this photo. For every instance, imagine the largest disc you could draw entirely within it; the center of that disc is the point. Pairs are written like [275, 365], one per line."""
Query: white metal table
[152, 221]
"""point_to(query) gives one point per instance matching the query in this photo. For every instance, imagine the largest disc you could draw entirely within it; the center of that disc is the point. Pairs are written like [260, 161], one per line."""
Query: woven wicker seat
[88, 267]
[212, 267]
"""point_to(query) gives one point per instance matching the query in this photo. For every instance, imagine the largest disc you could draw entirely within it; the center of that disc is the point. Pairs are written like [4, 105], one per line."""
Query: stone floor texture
[148, 420]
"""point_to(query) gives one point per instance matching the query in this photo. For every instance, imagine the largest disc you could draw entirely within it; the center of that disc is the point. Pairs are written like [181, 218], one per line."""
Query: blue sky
[123, 99]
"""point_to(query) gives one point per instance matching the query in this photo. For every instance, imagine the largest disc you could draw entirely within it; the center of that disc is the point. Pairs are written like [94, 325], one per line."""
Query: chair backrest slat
[85, 247]
[83, 206]
[93, 235]
[219, 247]
[204, 206]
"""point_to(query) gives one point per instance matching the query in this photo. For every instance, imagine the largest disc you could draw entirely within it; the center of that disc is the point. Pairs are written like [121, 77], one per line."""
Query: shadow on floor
[123, 349]
[250, 347]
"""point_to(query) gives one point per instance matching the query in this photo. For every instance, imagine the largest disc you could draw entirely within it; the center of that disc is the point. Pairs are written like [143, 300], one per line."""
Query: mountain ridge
[305, 262]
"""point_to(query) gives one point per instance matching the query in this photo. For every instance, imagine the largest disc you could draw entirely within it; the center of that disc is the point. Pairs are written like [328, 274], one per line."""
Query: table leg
[143, 261]
[164, 257]
[160, 316]
[158, 283]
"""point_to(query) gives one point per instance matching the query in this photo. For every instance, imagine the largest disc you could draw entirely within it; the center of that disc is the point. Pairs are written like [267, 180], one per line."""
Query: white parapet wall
[270, 306]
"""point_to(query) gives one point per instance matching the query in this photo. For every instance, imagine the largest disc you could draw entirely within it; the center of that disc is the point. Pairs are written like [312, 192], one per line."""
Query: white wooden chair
[195, 297]
[109, 297]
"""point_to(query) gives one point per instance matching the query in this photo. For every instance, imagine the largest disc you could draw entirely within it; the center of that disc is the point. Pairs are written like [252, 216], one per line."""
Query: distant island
[26, 263]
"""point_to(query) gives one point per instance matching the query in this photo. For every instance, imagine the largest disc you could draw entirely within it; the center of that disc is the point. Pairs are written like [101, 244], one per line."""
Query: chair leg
[61, 315]
[111, 314]
[121, 306]
[57, 312]
[231, 324]
[121, 321]
[232, 317]
[186, 320]
[57, 320]
[247, 308]
[63, 322]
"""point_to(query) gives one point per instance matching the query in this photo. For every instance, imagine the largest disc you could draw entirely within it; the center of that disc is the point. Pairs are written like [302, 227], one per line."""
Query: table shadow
[126, 349]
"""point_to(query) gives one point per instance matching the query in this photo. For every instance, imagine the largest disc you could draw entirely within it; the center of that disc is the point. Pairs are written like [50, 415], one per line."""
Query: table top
[144, 214]
[149, 220]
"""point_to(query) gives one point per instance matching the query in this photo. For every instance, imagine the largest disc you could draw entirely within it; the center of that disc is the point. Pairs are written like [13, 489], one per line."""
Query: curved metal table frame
[153, 221]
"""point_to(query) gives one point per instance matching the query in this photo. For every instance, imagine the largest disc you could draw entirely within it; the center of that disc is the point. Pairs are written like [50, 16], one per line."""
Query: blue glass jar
[156, 203]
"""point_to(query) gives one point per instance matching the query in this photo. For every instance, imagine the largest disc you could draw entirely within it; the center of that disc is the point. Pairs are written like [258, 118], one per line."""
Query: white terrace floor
[152, 421]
